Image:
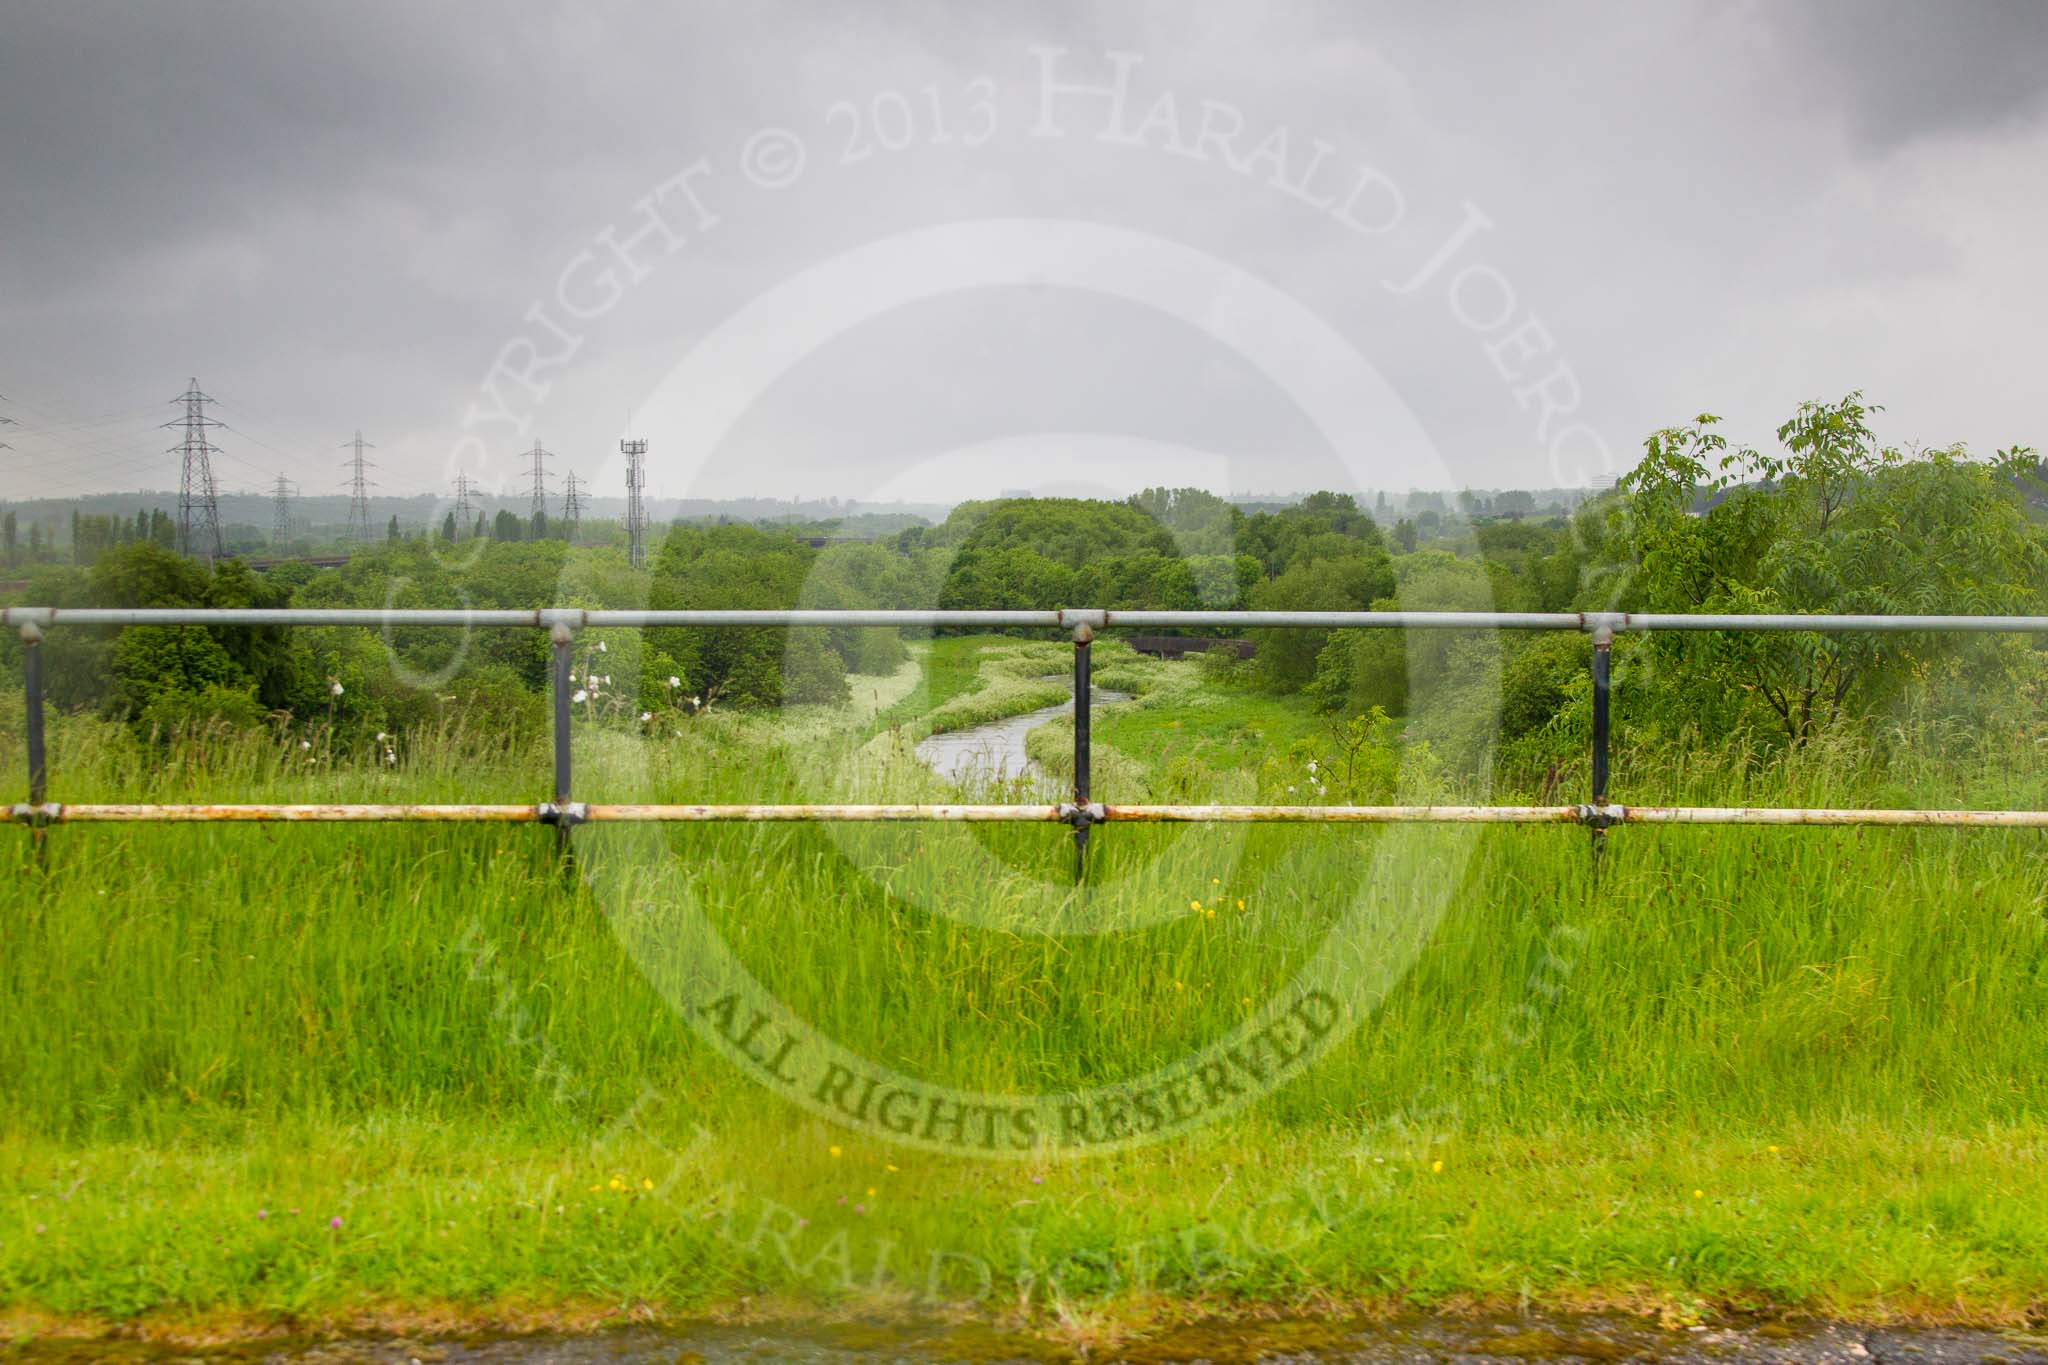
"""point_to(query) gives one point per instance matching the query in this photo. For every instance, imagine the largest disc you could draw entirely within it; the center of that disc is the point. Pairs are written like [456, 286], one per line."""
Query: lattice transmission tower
[636, 510]
[540, 484]
[281, 511]
[465, 510]
[572, 503]
[359, 486]
[198, 496]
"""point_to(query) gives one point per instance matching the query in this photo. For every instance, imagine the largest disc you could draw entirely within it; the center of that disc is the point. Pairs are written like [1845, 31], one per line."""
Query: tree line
[1831, 519]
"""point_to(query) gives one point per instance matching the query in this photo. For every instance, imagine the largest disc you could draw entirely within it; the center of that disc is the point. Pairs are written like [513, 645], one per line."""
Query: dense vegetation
[314, 1071]
[1830, 521]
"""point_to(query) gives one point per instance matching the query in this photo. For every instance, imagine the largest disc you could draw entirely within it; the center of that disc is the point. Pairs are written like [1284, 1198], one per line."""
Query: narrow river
[985, 754]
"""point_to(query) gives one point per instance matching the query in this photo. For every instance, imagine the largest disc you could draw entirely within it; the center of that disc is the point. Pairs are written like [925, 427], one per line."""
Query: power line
[636, 512]
[198, 498]
[358, 490]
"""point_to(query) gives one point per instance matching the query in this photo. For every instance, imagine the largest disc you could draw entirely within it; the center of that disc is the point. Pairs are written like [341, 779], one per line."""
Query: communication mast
[358, 490]
[198, 498]
[636, 510]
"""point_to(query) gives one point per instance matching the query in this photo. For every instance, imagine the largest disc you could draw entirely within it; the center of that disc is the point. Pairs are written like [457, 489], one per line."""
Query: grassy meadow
[348, 1073]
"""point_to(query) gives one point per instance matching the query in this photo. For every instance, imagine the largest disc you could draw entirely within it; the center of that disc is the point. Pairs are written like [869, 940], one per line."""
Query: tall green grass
[236, 987]
[216, 975]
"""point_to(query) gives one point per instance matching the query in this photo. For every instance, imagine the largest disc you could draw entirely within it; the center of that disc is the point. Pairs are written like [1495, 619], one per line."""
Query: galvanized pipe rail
[1082, 813]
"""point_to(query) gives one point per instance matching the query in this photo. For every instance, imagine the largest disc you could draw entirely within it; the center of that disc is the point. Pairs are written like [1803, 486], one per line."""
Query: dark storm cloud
[1902, 69]
[337, 217]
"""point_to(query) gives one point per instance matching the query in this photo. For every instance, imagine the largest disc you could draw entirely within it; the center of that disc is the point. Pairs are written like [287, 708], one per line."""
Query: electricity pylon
[281, 512]
[572, 504]
[198, 497]
[358, 490]
[540, 484]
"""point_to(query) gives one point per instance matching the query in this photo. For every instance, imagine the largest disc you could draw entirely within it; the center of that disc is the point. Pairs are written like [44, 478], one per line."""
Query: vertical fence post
[1603, 643]
[1083, 704]
[38, 769]
[560, 638]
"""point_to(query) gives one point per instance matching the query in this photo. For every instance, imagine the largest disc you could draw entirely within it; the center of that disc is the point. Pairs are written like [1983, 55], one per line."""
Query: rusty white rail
[75, 813]
[1082, 813]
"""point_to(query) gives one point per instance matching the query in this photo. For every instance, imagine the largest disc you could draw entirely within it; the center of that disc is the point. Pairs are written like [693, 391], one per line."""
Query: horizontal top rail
[1066, 618]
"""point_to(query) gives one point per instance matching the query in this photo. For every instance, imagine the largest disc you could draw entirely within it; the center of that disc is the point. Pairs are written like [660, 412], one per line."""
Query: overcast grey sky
[390, 216]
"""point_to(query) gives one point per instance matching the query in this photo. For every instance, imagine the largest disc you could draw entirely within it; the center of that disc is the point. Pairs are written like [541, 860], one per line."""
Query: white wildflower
[390, 756]
[603, 648]
[305, 744]
[1311, 765]
[335, 687]
[381, 736]
[674, 681]
[581, 695]
[646, 716]
[1290, 789]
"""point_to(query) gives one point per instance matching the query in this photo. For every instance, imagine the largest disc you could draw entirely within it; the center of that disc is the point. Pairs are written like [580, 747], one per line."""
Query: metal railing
[1082, 813]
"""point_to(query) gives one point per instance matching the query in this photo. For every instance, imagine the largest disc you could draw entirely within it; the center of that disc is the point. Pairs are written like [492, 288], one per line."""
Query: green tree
[1351, 582]
[739, 567]
[1831, 522]
[1200, 522]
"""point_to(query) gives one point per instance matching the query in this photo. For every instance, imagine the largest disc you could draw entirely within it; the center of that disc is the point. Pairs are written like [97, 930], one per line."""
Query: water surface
[985, 755]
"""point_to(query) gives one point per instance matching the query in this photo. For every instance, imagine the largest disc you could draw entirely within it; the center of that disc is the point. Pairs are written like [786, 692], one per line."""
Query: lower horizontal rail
[68, 813]
[578, 813]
